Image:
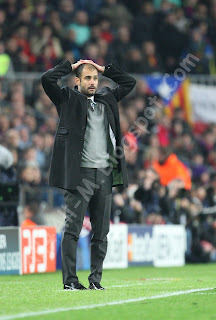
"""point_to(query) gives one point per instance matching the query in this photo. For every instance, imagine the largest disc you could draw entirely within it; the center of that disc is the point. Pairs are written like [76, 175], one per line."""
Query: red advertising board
[38, 249]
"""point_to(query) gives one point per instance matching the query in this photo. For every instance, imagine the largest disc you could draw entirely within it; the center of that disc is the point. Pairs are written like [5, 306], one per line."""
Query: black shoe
[74, 286]
[95, 286]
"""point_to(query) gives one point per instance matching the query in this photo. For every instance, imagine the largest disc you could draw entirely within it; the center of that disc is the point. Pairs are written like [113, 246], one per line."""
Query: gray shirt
[95, 152]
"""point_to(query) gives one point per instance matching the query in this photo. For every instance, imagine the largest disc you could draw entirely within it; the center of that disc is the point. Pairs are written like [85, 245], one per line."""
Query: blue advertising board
[158, 245]
[83, 251]
[10, 259]
[140, 245]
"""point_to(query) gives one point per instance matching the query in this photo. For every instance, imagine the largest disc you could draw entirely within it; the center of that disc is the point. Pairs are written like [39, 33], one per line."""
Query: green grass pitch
[133, 293]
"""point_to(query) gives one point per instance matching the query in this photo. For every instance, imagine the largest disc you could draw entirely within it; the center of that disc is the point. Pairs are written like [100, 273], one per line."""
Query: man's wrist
[107, 67]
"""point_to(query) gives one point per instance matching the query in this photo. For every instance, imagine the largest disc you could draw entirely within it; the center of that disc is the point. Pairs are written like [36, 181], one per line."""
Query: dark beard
[87, 94]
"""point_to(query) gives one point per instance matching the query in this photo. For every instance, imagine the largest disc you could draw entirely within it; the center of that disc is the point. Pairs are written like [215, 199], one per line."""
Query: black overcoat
[71, 106]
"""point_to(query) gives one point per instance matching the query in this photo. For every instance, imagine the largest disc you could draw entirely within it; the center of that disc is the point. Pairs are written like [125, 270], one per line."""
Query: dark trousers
[94, 191]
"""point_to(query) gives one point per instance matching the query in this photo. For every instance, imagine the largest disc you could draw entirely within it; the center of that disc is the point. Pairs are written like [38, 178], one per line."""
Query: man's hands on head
[77, 64]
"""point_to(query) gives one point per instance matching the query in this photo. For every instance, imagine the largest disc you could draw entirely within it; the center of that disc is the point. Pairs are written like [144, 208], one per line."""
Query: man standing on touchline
[88, 157]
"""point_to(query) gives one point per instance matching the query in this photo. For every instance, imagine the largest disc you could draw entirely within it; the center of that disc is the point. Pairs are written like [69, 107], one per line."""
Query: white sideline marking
[136, 284]
[161, 279]
[206, 293]
[112, 303]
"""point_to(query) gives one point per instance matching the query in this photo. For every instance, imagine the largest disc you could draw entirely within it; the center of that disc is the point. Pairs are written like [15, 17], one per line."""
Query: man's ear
[77, 81]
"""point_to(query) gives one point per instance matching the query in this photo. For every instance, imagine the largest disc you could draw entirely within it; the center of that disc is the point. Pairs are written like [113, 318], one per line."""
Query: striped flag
[175, 93]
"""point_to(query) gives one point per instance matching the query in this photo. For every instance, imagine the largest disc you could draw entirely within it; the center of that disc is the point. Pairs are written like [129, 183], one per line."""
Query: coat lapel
[82, 100]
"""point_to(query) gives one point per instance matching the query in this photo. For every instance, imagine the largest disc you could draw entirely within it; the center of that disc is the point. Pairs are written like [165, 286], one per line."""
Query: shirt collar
[92, 99]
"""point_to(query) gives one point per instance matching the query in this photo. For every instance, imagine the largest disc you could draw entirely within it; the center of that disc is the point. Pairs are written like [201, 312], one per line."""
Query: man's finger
[87, 61]
[99, 68]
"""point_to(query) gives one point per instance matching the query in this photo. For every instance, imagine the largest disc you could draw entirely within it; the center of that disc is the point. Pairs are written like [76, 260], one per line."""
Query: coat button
[81, 140]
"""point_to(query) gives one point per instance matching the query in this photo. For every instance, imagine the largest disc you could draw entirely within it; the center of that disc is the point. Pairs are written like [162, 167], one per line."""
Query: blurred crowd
[140, 35]
[171, 164]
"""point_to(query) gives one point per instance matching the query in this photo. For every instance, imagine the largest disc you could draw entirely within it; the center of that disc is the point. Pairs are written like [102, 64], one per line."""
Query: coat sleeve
[49, 82]
[125, 82]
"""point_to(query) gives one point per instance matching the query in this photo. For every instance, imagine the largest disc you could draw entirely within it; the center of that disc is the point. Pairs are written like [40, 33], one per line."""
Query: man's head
[164, 153]
[87, 79]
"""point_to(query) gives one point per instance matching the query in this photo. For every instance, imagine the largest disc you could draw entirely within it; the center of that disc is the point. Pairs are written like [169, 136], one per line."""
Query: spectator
[116, 13]
[24, 18]
[189, 8]
[47, 59]
[56, 24]
[6, 159]
[182, 22]
[134, 60]
[198, 167]
[125, 210]
[158, 3]
[120, 46]
[80, 28]
[69, 44]
[66, 11]
[4, 126]
[91, 8]
[3, 20]
[144, 23]
[170, 41]
[13, 139]
[14, 51]
[40, 13]
[29, 213]
[91, 51]
[151, 61]
[105, 30]
[200, 47]
[5, 61]
[163, 131]
[21, 35]
[8, 214]
[25, 139]
[46, 38]
[170, 168]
